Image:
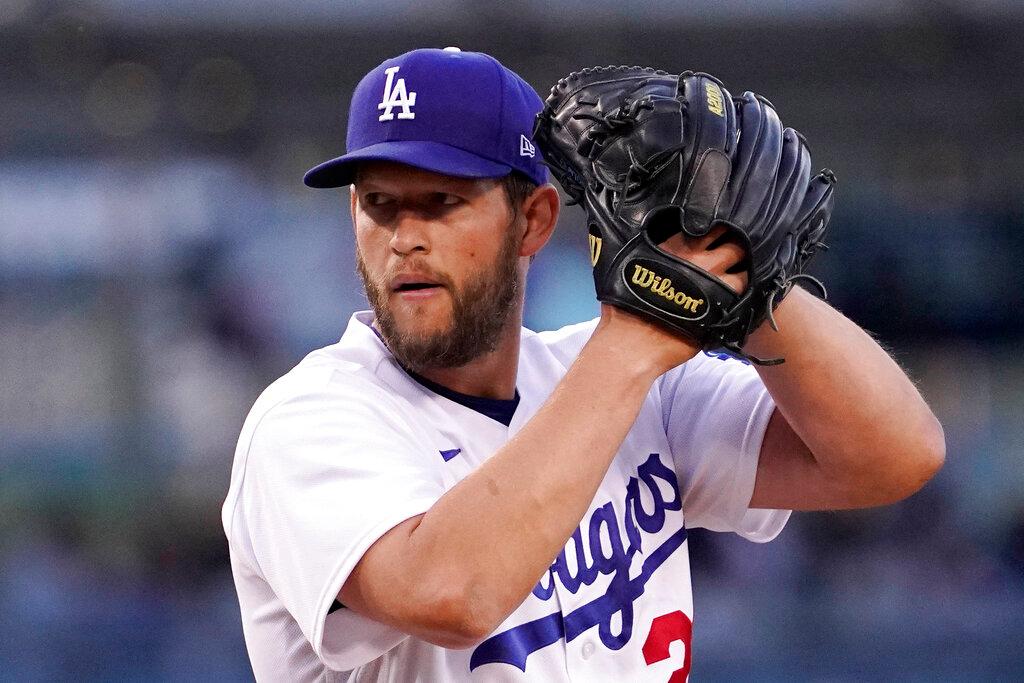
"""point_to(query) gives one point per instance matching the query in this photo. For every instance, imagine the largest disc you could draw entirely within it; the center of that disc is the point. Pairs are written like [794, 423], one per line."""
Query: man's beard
[480, 311]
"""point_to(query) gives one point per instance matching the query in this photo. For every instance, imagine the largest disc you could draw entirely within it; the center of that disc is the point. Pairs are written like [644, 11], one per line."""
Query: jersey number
[665, 630]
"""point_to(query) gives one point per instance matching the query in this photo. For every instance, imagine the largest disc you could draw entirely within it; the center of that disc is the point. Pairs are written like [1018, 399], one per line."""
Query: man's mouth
[415, 286]
[408, 284]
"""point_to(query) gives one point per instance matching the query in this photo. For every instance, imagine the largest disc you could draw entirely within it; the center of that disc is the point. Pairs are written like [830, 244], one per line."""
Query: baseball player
[444, 495]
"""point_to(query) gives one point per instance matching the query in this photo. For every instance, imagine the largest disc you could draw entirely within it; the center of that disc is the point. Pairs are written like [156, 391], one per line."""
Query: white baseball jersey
[347, 445]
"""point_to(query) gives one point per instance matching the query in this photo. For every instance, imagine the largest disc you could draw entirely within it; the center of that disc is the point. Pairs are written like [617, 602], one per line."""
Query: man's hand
[649, 155]
[717, 252]
[655, 347]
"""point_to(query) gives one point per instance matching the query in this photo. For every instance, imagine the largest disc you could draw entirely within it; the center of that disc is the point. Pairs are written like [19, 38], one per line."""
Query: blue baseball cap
[458, 113]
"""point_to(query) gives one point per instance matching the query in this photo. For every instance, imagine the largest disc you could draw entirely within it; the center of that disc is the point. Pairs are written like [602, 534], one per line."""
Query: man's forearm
[860, 416]
[471, 559]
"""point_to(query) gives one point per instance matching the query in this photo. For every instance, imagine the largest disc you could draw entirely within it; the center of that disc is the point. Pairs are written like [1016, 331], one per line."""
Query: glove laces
[625, 116]
[781, 285]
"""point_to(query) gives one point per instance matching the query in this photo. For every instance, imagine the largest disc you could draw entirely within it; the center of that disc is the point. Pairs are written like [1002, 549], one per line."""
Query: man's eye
[446, 199]
[375, 199]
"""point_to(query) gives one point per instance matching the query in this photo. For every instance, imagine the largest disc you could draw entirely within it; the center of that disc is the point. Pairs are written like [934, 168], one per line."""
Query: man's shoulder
[350, 368]
[566, 342]
[328, 379]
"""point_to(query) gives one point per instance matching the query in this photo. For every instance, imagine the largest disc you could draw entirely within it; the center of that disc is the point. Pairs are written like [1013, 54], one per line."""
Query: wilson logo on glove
[655, 289]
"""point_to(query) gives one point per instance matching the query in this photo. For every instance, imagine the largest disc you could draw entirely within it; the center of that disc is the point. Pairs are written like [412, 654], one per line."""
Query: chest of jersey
[615, 604]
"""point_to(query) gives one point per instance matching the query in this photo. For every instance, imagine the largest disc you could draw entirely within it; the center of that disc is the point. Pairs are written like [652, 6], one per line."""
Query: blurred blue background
[161, 263]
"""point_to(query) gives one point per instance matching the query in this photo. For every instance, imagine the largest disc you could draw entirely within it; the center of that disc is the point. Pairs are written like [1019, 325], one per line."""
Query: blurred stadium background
[161, 262]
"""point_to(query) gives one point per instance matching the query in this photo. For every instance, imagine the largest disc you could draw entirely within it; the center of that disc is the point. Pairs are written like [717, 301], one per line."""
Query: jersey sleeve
[565, 343]
[716, 410]
[328, 473]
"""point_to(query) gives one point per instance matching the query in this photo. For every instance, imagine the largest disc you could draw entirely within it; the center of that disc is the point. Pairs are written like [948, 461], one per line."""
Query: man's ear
[352, 203]
[540, 210]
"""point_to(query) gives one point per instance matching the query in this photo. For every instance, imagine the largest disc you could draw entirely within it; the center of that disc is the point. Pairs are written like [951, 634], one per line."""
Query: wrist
[766, 342]
[617, 357]
[638, 347]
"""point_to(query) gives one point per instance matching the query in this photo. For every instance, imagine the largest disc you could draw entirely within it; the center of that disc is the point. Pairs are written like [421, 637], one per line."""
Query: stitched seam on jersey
[556, 339]
[245, 468]
[403, 404]
[417, 434]
[563, 363]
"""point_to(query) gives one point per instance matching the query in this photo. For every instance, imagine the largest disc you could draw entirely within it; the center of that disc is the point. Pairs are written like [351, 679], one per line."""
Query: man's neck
[492, 375]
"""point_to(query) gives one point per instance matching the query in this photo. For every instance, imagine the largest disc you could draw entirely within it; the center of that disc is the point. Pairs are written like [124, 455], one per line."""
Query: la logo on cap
[472, 121]
[395, 95]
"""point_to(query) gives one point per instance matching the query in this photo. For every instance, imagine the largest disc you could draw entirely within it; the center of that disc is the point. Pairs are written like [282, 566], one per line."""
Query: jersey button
[588, 649]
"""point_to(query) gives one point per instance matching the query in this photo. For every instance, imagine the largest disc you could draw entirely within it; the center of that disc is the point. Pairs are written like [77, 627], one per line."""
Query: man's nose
[411, 233]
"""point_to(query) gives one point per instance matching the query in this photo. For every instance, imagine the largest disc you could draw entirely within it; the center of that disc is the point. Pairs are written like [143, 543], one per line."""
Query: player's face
[438, 256]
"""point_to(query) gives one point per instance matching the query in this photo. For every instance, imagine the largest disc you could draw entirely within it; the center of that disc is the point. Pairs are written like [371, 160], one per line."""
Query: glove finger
[710, 118]
[574, 111]
[791, 186]
[756, 162]
[815, 212]
[710, 135]
[792, 179]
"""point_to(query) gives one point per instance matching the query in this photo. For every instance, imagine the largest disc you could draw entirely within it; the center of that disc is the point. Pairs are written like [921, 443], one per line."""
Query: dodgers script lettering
[614, 558]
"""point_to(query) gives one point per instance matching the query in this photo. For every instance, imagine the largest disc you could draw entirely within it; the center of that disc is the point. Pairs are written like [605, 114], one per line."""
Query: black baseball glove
[649, 154]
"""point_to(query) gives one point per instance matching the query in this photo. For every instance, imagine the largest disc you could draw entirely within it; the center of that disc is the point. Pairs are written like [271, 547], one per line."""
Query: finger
[729, 251]
[684, 246]
[737, 282]
[721, 261]
[715, 236]
[718, 256]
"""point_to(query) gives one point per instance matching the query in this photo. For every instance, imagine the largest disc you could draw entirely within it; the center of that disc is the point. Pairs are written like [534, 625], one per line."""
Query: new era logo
[526, 148]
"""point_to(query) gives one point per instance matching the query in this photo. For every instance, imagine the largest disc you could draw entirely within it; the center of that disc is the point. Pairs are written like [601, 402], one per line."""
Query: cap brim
[429, 156]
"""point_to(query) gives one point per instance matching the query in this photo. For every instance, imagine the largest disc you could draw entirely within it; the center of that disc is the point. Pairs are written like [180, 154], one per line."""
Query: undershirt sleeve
[715, 410]
[330, 472]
